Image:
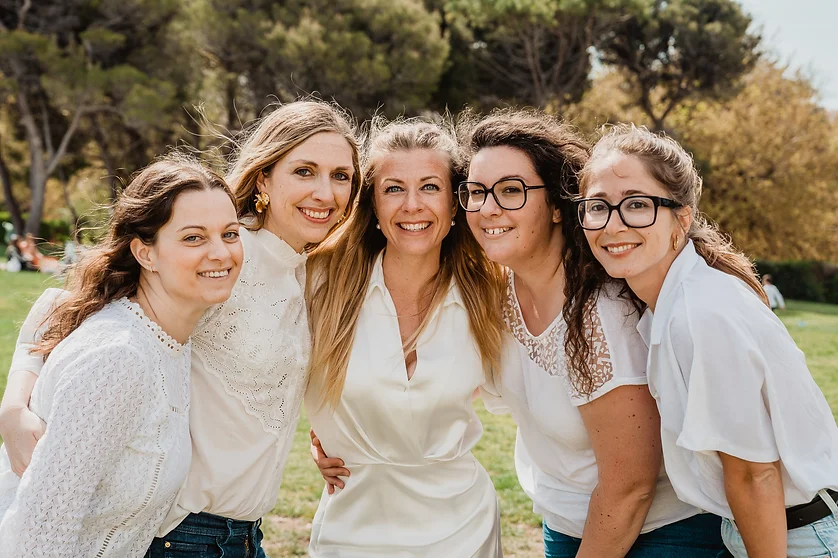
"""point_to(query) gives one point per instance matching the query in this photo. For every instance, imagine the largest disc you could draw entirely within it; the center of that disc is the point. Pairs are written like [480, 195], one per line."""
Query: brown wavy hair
[558, 153]
[670, 165]
[109, 271]
[272, 137]
[341, 268]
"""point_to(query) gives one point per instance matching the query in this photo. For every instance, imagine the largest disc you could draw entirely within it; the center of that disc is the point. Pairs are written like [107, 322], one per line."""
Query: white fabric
[115, 397]
[728, 377]
[554, 459]
[31, 329]
[249, 359]
[775, 299]
[415, 489]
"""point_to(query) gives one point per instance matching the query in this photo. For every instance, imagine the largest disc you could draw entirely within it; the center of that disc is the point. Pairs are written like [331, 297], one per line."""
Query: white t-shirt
[249, 360]
[553, 455]
[728, 377]
[775, 299]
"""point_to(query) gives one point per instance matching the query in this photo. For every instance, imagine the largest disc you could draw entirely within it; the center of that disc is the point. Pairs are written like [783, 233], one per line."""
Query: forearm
[758, 504]
[19, 387]
[615, 518]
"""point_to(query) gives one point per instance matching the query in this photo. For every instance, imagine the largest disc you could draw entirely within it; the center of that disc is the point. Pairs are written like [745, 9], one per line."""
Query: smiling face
[414, 201]
[511, 237]
[197, 255]
[641, 256]
[309, 189]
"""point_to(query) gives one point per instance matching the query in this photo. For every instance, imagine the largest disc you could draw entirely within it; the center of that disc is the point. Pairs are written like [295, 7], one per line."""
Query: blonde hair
[272, 137]
[673, 168]
[341, 268]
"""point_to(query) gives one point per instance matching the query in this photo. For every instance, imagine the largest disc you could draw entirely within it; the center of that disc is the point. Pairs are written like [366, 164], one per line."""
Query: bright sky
[805, 33]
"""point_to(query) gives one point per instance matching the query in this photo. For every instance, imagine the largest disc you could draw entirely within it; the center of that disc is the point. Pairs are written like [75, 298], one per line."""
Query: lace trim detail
[547, 349]
[168, 341]
[257, 342]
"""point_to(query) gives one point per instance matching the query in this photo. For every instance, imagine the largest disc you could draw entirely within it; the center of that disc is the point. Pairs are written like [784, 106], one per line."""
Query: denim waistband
[215, 525]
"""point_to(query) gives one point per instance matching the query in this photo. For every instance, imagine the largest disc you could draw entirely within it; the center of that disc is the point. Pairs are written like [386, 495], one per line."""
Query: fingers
[334, 481]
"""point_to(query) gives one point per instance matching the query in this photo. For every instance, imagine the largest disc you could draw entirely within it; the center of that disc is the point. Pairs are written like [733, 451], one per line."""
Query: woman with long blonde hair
[406, 324]
[294, 176]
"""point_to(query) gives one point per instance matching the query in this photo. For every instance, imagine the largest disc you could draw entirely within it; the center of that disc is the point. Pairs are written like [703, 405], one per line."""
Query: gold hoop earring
[675, 243]
[262, 200]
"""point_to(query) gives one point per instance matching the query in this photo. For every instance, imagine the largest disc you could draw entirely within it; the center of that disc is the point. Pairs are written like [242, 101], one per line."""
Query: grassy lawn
[813, 326]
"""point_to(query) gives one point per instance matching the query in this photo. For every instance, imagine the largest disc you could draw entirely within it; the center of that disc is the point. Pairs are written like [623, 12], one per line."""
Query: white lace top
[115, 397]
[249, 360]
[554, 458]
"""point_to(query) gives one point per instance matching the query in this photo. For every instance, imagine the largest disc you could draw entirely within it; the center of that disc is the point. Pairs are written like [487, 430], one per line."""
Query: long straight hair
[109, 271]
[341, 268]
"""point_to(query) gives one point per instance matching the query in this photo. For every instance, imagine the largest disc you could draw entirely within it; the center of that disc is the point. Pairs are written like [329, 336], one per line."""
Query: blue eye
[342, 176]
[304, 172]
[431, 186]
[392, 189]
[231, 235]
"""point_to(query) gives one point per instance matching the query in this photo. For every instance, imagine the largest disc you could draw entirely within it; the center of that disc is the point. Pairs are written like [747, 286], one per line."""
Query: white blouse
[415, 489]
[554, 458]
[115, 398]
[728, 377]
[249, 360]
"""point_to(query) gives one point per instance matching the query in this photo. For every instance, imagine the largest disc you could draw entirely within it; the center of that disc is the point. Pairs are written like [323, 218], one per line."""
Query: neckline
[169, 342]
[519, 314]
[279, 249]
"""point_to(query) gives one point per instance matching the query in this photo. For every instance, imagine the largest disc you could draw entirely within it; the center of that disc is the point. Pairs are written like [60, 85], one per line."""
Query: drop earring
[378, 225]
[453, 222]
[262, 201]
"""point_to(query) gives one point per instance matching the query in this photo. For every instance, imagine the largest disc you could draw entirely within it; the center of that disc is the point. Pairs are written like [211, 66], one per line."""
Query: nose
[219, 250]
[615, 222]
[412, 203]
[324, 190]
[490, 207]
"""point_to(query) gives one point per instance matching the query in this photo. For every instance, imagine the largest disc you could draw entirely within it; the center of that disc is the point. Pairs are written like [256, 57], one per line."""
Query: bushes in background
[806, 280]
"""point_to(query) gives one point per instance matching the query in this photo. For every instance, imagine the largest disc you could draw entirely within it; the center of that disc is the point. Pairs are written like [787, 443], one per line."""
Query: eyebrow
[313, 164]
[624, 193]
[203, 228]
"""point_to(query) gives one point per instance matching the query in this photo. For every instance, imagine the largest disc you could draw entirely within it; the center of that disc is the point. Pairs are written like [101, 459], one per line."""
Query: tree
[677, 50]
[536, 52]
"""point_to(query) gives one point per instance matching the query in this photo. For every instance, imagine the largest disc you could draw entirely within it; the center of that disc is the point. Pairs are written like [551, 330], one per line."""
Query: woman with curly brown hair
[588, 448]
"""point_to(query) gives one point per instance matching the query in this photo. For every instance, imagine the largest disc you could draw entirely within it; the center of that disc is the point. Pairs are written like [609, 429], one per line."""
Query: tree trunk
[11, 202]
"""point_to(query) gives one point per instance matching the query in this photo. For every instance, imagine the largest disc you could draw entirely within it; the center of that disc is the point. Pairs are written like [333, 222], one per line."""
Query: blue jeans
[816, 540]
[695, 537]
[204, 535]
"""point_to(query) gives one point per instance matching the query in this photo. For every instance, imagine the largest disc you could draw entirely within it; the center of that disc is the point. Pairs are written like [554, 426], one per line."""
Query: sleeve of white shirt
[32, 330]
[725, 371]
[618, 352]
[95, 412]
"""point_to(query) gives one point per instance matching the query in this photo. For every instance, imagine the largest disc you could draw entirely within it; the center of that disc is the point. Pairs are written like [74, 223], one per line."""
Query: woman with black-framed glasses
[746, 433]
[588, 443]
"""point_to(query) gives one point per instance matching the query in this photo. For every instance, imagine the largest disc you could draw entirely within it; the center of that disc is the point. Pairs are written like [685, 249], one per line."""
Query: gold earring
[675, 243]
[262, 200]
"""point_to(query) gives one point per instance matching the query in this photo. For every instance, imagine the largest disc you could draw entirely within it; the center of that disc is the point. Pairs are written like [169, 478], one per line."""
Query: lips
[414, 227]
[495, 231]
[316, 214]
[215, 274]
[620, 248]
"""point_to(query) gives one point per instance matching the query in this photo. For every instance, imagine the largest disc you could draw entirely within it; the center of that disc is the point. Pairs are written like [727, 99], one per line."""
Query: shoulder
[111, 332]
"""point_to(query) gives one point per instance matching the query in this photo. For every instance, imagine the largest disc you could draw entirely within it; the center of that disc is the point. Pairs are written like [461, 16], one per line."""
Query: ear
[143, 254]
[557, 215]
[685, 218]
[261, 179]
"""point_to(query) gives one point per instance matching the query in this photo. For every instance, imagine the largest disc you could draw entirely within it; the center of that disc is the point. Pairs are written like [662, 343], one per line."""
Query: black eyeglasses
[637, 212]
[509, 194]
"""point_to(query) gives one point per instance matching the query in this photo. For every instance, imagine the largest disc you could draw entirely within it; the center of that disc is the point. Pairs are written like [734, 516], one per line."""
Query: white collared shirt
[728, 377]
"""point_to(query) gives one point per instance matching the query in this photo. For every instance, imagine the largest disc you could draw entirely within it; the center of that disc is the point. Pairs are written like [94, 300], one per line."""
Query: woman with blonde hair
[406, 324]
[114, 391]
[746, 433]
[295, 176]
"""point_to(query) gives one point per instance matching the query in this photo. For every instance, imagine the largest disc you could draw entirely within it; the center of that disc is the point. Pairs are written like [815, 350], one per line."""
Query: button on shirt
[728, 377]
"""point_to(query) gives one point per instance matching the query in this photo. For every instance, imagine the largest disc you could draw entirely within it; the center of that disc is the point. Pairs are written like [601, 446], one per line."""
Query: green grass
[813, 326]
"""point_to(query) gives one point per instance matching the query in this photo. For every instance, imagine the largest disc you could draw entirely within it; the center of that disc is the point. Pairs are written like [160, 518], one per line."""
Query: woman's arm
[97, 407]
[624, 428]
[20, 428]
[755, 494]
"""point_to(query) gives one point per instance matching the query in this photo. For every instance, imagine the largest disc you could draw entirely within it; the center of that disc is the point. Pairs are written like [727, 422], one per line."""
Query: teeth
[414, 226]
[215, 274]
[622, 248]
[497, 230]
[316, 214]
